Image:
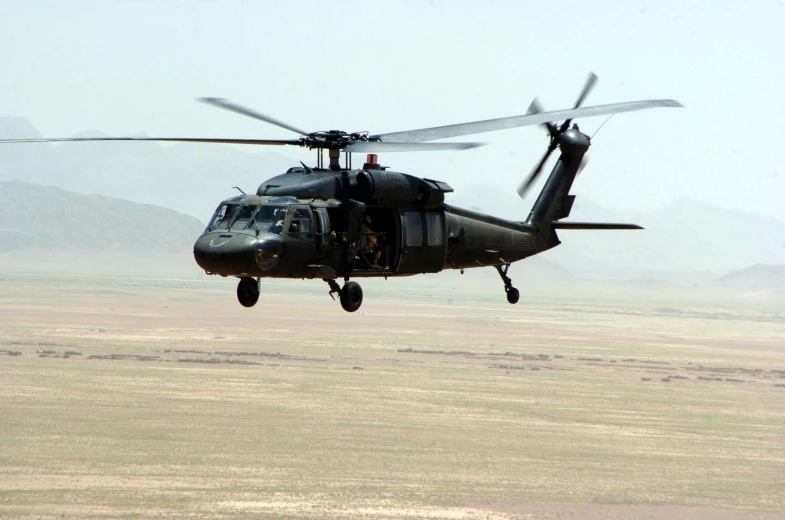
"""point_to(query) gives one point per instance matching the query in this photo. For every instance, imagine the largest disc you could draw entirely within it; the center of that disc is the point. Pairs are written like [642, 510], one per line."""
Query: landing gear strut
[351, 295]
[248, 291]
[512, 293]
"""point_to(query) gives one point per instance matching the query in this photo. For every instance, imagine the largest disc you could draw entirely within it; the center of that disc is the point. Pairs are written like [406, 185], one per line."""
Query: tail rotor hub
[570, 141]
[573, 141]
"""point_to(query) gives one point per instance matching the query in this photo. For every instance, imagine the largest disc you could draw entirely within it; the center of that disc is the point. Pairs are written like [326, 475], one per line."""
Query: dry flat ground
[155, 399]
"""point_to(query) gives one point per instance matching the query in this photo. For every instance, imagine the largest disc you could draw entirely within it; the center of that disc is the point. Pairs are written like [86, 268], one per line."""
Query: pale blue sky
[132, 66]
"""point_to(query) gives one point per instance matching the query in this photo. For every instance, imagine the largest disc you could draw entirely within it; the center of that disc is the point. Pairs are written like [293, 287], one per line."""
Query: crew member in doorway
[370, 241]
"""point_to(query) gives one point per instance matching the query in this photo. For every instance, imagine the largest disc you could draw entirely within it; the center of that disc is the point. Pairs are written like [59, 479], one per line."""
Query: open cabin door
[322, 222]
[423, 247]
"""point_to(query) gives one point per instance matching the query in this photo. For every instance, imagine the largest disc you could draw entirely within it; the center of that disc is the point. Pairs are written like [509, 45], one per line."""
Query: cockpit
[267, 216]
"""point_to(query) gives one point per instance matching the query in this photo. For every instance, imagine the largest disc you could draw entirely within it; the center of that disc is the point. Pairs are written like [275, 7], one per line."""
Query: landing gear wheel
[248, 292]
[351, 296]
[512, 293]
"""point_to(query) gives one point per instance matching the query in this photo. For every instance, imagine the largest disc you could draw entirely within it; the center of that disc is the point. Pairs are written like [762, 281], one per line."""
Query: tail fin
[555, 202]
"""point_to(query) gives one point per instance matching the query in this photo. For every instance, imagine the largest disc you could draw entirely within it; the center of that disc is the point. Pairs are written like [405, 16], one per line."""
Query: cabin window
[413, 229]
[435, 234]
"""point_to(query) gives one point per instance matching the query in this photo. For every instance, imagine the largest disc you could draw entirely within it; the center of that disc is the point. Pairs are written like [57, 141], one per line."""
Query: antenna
[603, 124]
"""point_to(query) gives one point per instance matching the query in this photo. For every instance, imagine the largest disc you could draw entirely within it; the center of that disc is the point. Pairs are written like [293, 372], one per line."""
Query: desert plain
[140, 398]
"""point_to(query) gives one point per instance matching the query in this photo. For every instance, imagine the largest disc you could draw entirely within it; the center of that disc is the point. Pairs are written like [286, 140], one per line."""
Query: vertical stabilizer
[555, 201]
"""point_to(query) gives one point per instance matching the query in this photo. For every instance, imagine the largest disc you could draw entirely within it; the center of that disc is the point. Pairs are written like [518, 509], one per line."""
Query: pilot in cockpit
[270, 219]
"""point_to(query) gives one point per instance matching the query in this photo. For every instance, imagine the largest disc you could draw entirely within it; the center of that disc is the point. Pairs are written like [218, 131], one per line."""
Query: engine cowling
[400, 187]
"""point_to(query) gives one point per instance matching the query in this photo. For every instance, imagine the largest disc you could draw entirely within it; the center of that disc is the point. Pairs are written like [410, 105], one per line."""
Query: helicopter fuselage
[339, 222]
[344, 231]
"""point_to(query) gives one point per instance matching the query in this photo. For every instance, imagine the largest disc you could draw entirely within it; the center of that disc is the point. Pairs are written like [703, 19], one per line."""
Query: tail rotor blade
[584, 162]
[587, 88]
[536, 108]
[527, 183]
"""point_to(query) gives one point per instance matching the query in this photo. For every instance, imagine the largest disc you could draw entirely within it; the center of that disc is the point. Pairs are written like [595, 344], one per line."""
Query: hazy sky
[126, 67]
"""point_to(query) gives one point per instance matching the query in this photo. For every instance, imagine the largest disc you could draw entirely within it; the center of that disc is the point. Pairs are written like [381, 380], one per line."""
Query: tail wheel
[351, 296]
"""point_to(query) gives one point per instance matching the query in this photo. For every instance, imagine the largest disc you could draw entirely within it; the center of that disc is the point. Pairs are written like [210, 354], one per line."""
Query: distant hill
[189, 178]
[46, 230]
[756, 280]
[17, 128]
[684, 242]
[33, 216]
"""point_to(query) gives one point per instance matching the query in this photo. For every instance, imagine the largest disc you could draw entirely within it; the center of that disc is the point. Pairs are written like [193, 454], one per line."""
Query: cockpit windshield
[269, 218]
[243, 216]
[223, 216]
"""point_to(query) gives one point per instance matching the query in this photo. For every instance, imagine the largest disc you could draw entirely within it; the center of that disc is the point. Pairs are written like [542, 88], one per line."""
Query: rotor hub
[573, 141]
[333, 139]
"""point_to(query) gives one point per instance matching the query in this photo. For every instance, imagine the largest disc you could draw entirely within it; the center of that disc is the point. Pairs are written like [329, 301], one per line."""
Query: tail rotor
[556, 134]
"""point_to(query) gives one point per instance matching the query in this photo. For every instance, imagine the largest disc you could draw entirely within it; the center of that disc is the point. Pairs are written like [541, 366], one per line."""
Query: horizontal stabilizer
[593, 225]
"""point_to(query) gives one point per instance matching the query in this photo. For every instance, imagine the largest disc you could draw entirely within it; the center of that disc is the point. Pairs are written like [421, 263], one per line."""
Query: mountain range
[684, 242]
[51, 231]
[48, 230]
[188, 178]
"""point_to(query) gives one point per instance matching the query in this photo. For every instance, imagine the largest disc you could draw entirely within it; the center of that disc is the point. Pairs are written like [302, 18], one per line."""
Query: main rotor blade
[527, 182]
[489, 125]
[587, 88]
[228, 105]
[363, 147]
[271, 142]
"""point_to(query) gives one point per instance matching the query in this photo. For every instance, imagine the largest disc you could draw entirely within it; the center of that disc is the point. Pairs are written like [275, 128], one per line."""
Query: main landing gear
[351, 294]
[248, 291]
[512, 293]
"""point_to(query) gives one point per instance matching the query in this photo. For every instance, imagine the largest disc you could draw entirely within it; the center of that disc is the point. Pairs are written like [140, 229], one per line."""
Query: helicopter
[335, 222]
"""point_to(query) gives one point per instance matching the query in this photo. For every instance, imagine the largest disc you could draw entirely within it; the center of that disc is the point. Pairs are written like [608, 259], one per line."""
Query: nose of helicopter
[237, 253]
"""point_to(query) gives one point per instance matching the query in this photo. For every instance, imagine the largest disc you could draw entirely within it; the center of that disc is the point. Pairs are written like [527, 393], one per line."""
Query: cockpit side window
[301, 221]
[269, 218]
[223, 215]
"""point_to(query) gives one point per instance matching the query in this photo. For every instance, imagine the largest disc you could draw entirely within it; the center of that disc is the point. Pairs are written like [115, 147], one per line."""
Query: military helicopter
[334, 221]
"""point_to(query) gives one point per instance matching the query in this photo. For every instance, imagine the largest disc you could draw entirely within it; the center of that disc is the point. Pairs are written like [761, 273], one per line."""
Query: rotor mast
[335, 159]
